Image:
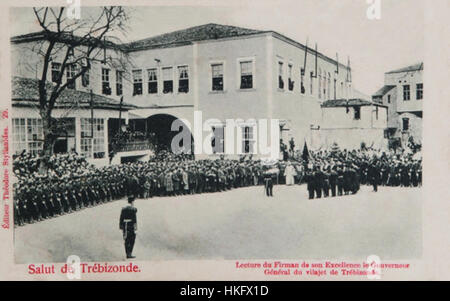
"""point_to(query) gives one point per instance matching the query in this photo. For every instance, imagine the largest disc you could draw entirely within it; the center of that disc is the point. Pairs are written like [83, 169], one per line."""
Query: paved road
[239, 224]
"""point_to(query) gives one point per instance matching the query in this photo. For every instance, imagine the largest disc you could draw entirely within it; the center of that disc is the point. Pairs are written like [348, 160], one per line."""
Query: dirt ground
[238, 224]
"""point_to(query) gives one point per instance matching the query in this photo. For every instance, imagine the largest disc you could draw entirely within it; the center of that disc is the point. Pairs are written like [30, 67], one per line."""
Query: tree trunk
[49, 139]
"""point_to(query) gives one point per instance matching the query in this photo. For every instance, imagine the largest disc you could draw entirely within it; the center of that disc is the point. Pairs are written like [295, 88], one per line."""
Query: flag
[305, 154]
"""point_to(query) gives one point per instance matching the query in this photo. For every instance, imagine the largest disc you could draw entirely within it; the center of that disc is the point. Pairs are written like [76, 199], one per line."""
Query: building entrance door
[60, 146]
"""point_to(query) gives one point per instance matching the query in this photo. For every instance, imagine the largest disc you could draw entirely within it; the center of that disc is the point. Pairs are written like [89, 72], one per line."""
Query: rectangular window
[86, 143]
[290, 81]
[389, 98]
[35, 135]
[246, 69]
[167, 74]
[217, 77]
[152, 80]
[319, 92]
[419, 91]
[106, 88]
[99, 138]
[70, 74]
[56, 68]
[329, 85]
[92, 138]
[280, 76]
[405, 125]
[334, 90]
[302, 80]
[183, 79]
[19, 135]
[406, 92]
[137, 82]
[218, 141]
[119, 82]
[248, 140]
[85, 80]
[28, 135]
[357, 113]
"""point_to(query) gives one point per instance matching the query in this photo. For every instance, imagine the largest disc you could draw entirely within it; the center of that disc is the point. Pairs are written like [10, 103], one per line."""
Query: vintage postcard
[224, 140]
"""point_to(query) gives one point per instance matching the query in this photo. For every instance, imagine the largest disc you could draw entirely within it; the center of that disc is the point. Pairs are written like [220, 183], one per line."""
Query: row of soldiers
[337, 180]
[338, 173]
[79, 185]
[48, 197]
[38, 197]
[191, 177]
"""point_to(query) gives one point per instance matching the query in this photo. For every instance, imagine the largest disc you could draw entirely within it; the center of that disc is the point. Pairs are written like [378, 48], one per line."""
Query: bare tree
[75, 44]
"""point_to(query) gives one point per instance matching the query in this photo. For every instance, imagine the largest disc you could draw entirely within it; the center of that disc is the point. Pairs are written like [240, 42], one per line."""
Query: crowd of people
[342, 172]
[70, 183]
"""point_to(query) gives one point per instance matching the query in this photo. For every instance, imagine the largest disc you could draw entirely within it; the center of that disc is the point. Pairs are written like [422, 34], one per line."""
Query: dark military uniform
[268, 183]
[340, 181]
[128, 225]
[318, 182]
[309, 177]
[333, 181]
[326, 184]
[374, 176]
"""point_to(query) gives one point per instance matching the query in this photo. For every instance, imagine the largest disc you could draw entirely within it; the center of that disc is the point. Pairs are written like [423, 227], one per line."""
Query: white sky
[374, 46]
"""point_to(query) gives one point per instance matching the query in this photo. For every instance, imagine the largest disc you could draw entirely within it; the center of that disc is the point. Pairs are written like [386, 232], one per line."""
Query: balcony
[129, 141]
[130, 146]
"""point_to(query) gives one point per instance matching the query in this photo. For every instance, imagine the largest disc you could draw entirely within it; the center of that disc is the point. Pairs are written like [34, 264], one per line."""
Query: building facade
[352, 124]
[403, 95]
[224, 72]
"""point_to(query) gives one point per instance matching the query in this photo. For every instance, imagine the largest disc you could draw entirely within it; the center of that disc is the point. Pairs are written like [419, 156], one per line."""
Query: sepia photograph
[217, 132]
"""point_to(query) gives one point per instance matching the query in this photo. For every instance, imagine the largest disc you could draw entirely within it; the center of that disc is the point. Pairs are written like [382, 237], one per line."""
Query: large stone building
[224, 72]
[402, 93]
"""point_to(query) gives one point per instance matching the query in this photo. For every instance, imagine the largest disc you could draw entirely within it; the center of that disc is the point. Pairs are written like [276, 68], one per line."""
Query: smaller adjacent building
[403, 96]
[87, 124]
[351, 123]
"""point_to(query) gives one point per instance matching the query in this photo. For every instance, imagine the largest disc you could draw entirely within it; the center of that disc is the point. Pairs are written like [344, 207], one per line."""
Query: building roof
[335, 103]
[65, 37]
[415, 67]
[383, 90]
[25, 92]
[186, 36]
[210, 31]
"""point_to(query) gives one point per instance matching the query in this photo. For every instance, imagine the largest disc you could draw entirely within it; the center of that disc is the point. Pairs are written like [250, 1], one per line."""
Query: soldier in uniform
[347, 180]
[268, 181]
[333, 180]
[318, 182]
[309, 177]
[374, 176]
[326, 182]
[340, 181]
[128, 225]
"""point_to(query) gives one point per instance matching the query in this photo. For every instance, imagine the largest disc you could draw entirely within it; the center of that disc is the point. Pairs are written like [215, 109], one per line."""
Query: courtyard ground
[238, 224]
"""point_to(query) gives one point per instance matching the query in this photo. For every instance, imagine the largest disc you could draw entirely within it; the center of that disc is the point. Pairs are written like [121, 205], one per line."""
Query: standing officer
[333, 181]
[128, 225]
[340, 181]
[268, 182]
[309, 177]
[318, 181]
[374, 176]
